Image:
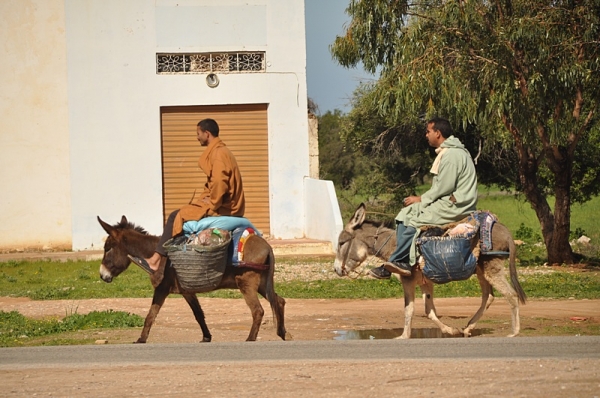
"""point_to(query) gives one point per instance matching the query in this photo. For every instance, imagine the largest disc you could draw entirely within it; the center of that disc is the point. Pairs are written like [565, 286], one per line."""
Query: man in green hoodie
[452, 197]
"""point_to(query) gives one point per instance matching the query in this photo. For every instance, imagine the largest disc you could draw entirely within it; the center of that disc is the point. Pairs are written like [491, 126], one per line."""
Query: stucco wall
[35, 203]
[86, 129]
[323, 216]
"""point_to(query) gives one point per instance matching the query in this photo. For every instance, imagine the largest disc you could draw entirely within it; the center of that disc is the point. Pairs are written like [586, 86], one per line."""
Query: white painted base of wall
[323, 216]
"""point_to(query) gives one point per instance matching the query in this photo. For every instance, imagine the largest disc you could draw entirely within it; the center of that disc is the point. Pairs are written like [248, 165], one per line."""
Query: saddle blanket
[241, 228]
[486, 222]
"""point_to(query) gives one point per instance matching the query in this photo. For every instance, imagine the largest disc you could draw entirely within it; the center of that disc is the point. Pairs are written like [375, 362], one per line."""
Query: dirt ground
[229, 320]
[320, 319]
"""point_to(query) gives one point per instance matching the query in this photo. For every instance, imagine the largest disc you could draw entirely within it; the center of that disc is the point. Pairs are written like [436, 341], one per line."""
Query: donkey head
[352, 249]
[114, 260]
[123, 239]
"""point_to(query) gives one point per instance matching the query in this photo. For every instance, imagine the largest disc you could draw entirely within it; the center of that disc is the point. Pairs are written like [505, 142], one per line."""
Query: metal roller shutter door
[244, 130]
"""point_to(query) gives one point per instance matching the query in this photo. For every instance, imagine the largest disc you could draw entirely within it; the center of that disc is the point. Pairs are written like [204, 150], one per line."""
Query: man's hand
[411, 200]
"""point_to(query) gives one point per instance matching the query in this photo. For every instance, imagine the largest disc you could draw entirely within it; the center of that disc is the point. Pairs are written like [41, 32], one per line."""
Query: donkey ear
[105, 226]
[359, 217]
[123, 220]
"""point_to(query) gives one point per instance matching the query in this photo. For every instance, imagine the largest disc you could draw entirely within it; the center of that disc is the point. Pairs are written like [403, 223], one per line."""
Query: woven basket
[199, 268]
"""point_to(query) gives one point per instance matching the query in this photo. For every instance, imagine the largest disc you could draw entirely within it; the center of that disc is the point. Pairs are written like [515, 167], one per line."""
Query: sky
[330, 85]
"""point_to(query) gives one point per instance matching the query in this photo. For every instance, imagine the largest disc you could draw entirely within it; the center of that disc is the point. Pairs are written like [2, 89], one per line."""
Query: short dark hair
[209, 125]
[441, 124]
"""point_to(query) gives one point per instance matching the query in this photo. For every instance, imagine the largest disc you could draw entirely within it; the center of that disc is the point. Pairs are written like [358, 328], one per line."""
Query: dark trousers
[167, 234]
[404, 238]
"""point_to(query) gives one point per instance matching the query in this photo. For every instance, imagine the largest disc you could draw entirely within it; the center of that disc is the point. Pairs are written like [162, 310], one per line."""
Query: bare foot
[154, 261]
[158, 275]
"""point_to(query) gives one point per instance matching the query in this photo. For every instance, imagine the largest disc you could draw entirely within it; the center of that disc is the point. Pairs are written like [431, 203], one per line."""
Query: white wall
[323, 216]
[80, 103]
[35, 206]
[115, 97]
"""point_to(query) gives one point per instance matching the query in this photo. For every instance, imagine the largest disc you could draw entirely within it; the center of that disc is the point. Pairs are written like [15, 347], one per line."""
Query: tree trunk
[555, 227]
[559, 248]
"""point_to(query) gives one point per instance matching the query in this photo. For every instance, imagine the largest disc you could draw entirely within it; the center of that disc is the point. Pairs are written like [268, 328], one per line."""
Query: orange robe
[223, 193]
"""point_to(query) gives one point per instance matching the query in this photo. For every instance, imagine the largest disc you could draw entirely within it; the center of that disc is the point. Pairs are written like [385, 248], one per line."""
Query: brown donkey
[127, 239]
[362, 238]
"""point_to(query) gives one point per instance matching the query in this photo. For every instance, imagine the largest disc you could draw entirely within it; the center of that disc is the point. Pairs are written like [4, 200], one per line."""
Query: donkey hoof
[206, 339]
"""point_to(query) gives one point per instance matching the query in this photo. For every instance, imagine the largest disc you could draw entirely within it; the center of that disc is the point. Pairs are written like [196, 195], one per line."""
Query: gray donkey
[363, 238]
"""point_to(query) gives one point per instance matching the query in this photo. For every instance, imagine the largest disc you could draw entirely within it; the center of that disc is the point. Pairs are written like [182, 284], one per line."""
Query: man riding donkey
[451, 198]
[223, 195]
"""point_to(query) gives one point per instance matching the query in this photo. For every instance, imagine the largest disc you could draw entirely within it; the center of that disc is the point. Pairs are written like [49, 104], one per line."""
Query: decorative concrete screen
[226, 62]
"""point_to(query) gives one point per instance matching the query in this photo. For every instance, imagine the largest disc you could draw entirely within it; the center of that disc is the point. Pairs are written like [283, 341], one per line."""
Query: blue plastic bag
[448, 258]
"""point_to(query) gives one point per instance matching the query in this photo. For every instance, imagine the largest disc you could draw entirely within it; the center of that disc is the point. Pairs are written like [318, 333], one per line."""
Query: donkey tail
[513, 271]
[270, 285]
[277, 303]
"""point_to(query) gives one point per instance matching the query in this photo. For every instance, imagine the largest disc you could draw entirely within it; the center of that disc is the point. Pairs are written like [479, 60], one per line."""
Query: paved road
[497, 348]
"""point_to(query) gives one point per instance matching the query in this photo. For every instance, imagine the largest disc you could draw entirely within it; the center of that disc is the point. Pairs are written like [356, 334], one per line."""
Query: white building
[99, 105]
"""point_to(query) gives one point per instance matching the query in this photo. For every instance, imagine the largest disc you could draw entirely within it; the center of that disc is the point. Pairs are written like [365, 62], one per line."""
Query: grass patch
[341, 289]
[17, 330]
[63, 281]
[562, 285]
[46, 280]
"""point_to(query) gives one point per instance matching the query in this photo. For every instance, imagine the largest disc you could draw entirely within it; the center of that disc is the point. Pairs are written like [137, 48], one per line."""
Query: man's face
[434, 137]
[202, 136]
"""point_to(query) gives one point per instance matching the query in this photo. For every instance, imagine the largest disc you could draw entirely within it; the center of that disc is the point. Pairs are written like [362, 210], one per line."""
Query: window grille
[230, 62]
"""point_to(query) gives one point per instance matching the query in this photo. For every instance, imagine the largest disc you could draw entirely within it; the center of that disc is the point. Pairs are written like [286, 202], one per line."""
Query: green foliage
[577, 233]
[527, 234]
[337, 162]
[362, 153]
[15, 329]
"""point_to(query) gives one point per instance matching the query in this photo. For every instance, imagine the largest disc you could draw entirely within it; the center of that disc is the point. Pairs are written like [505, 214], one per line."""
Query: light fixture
[212, 80]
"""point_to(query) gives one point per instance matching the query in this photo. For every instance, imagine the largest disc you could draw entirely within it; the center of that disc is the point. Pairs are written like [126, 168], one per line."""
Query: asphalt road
[577, 347]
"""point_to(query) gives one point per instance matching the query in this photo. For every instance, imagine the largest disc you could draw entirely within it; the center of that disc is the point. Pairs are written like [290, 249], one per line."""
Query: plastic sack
[448, 259]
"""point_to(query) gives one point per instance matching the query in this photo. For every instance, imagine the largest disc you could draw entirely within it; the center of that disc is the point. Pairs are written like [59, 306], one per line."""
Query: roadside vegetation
[17, 330]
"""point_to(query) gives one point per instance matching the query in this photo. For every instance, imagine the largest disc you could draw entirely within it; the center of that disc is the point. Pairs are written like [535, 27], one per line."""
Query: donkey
[126, 238]
[362, 238]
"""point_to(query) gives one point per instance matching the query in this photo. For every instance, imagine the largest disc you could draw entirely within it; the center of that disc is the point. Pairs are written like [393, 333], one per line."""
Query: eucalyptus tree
[524, 72]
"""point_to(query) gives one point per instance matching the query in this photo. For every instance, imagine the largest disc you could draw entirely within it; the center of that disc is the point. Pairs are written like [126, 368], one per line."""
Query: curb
[295, 247]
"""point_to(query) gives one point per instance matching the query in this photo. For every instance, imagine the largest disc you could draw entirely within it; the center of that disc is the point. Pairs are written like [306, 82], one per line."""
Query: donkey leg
[486, 295]
[409, 286]
[280, 316]
[158, 299]
[495, 274]
[194, 304]
[267, 288]
[248, 284]
[278, 308]
[430, 312]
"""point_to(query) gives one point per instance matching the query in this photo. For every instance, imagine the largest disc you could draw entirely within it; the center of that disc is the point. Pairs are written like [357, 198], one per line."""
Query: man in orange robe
[223, 193]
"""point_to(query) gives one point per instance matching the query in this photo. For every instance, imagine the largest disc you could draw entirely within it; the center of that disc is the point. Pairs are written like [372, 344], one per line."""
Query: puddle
[379, 334]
